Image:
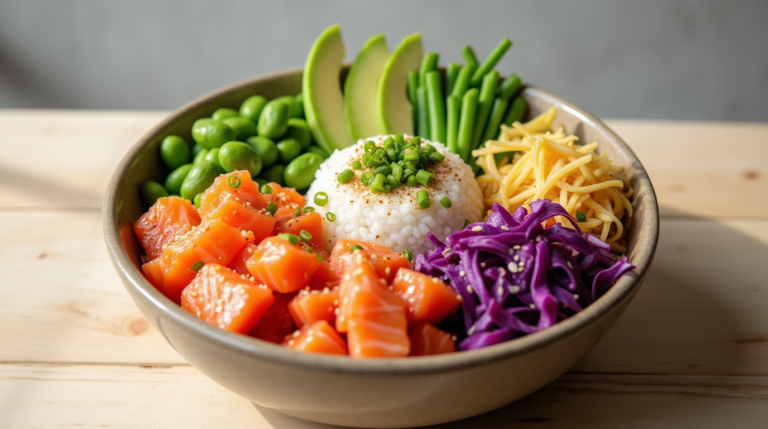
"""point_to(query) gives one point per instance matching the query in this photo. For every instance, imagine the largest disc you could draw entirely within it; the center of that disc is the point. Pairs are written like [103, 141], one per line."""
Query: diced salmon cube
[226, 299]
[428, 340]
[237, 264]
[167, 219]
[385, 260]
[277, 322]
[318, 337]
[282, 266]
[309, 306]
[427, 299]
[324, 277]
[310, 222]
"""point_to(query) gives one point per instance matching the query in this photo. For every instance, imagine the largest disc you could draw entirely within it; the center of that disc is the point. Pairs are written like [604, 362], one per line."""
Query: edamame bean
[252, 107]
[176, 178]
[175, 151]
[300, 173]
[266, 149]
[242, 127]
[151, 191]
[196, 149]
[288, 149]
[300, 103]
[199, 178]
[273, 121]
[224, 112]
[292, 104]
[319, 151]
[198, 199]
[210, 133]
[239, 156]
[261, 182]
[299, 130]
[274, 174]
[212, 156]
[200, 156]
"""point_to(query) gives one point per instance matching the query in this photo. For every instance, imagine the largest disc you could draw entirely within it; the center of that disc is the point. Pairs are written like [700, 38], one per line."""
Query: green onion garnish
[305, 235]
[266, 189]
[197, 266]
[330, 216]
[233, 182]
[424, 177]
[321, 199]
[309, 209]
[580, 217]
[466, 223]
[412, 181]
[446, 202]
[377, 184]
[408, 255]
[422, 199]
[436, 157]
[412, 156]
[366, 178]
[297, 212]
[272, 208]
[357, 165]
[345, 176]
[292, 238]
[354, 247]
[319, 257]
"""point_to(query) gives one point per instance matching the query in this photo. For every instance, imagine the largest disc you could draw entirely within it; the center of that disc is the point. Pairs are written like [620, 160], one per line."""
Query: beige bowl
[382, 392]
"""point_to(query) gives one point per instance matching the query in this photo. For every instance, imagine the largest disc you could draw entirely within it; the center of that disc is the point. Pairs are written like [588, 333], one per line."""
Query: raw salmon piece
[428, 340]
[324, 277]
[237, 264]
[277, 322]
[168, 218]
[213, 241]
[385, 260]
[242, 206]
[318, 337]
[309, 306]
[226, 299]
[282, 266]
[372, 315]
[427, 299]
[284, 198]
[310, 222]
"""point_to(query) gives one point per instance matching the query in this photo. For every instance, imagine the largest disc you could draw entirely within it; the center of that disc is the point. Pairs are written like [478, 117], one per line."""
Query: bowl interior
[123, 206]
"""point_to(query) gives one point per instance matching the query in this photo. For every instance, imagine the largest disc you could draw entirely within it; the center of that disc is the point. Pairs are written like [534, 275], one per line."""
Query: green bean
[198, 199]
[196, 149]
[175, 151]
[266, 149]
[451, 73]
[467, 122]
[516, 111]
[239, 156]
[242, 127]
[210, 133]
[453, 110]
[469, 56]
[252, 107]
[484, 104]
[462, 81]
[288, 149]
[299, 130]
[200, 156]
[213, 156]
[421, 95]
[176, 178]
[274, 174]
[318, 151]
[273, 121]
[509, 87]
[151, 192]
[300, 173]
[413, 85]
[428, 64]
[199, 178]
[490, 62]
[494, 120]
[296, 111]
[436, 107]
[223, 113]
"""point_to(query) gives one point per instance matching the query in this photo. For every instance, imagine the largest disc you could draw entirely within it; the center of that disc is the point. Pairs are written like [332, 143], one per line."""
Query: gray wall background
[688, 60]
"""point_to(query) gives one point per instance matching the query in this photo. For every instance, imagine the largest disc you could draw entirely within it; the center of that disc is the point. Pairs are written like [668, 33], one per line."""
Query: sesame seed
[469, 289]
[513, 289]
[501, 290]
[477, 228]
[505, 228]
[462, 274]
[533, 305]
[512, 267]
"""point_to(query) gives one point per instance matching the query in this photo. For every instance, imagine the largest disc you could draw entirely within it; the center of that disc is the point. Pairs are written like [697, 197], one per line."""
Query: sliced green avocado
[395, 113]
[323, 101]
[361, 86]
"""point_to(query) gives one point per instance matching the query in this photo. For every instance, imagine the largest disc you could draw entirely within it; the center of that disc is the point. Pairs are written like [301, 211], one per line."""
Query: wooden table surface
[691, 351]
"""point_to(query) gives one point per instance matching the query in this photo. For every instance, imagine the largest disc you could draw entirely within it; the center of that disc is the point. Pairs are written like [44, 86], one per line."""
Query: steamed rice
[395, 220]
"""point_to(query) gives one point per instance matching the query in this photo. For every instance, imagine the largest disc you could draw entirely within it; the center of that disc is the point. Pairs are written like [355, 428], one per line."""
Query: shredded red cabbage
[516, 277]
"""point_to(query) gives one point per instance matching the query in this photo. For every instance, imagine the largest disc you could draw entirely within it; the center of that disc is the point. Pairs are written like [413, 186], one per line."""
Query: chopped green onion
[369, 146]
[357, 165]
[422, 199]
[309, 209]
[292, 238]
[400, 139]
[266, 189]
[321, 199]
[412, 182]
[424, 177]
[397, 172]
[297, 212]
[354, 247]
[412, 156]
[446, 202]
[272, 208]
[233, 182]
[197, 266]
[415, 140]
[305, 235]
[366, 178]
[408, 255]
[580, 217]
[392, 181]
[436, 157]
[345, 176]
[384, 169]
[377, 184]
[330, 216]
[319, 257]
[466, 223]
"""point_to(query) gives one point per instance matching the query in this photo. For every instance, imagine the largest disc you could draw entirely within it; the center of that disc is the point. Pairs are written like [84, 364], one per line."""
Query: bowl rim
[258, 349]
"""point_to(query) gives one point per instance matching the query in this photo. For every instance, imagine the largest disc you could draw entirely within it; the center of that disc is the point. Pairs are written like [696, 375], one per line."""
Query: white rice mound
[395, 220]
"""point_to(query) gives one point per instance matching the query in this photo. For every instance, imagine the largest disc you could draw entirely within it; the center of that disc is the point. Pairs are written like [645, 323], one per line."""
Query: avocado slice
[323, 101]
[361, 86]
[395, 113]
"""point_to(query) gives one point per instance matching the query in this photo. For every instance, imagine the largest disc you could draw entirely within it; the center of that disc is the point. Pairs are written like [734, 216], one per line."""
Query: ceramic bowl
[380, 392]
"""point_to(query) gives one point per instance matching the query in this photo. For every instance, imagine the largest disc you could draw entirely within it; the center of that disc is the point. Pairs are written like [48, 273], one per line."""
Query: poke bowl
[388, 392]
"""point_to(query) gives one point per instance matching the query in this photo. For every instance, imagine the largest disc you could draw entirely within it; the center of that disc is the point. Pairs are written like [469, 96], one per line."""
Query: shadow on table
[52, 192]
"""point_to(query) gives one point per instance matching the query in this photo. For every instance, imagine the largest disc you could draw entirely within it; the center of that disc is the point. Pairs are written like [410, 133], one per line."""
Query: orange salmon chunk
[427, 299]
[385, 260]
[372, 315]
[309, 306]
[237, 264]
[225, 299]
[318, 337]
[277, 322]
[241, 206]
[310, 222]
[167, 219]
[324, 277]
[428, 340]
[284, 198]
[213, 241]
[282, 266]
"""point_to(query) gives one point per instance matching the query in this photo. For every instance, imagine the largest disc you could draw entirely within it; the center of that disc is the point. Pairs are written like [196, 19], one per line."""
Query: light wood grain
[698, 169]
[701, 310]
[47, 396]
